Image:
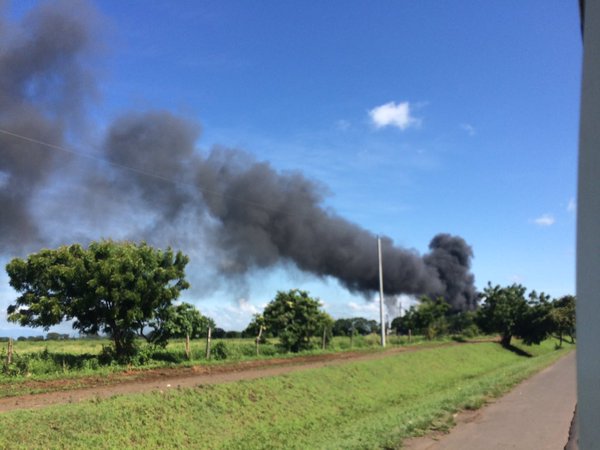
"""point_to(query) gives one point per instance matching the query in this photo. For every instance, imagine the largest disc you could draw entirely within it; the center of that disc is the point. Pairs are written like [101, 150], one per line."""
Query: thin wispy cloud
[393, 115]
[572, 205]
[545, 220]
[470, 129]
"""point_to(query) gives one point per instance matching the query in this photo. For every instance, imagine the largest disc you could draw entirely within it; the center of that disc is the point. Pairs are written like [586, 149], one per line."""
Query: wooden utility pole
[208, 343]
[381, 294]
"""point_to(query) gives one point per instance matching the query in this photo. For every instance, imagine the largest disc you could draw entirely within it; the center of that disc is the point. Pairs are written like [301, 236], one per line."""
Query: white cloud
[393, 115]
[369, 309]
[545, 220]
[470, 129]
[243, 307]
[572, 205]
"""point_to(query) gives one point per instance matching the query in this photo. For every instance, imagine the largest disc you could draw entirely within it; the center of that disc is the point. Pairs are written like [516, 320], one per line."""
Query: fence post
[208, 343]
[9, 353]
[260, 330]
[188, 352]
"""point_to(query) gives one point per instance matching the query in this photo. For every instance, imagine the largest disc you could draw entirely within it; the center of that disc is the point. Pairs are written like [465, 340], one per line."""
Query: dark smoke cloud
[160, 144]
[254, 216]
[451, 257]
[44, 85]
[267, 217]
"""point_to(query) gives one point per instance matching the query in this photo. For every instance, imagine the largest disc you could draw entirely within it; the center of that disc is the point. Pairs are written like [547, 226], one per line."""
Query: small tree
[182, 321]
[354, 325]
[427, 318]
[562, 316]
[120, 289]
[294, 317]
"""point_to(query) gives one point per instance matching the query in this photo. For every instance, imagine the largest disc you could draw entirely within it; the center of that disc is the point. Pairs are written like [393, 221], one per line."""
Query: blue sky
[419, 118]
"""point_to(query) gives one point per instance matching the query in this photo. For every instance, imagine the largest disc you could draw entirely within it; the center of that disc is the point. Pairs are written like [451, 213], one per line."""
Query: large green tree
[119, 288]
[506, 311]
[295, 317]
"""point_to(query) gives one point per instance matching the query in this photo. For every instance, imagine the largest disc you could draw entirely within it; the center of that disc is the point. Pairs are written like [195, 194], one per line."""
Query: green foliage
[427, 318]
[181, 321]
[56, 336]
[257, 326]
[354, 325]
[295, 317]
[119, 289]
[562, 315]
[220, 351]
[506, 311]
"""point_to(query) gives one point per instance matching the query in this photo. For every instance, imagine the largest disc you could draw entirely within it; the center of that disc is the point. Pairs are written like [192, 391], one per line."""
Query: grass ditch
[367, 404]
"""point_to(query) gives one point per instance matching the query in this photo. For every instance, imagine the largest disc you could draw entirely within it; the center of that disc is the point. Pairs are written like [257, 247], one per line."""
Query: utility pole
[381, 294]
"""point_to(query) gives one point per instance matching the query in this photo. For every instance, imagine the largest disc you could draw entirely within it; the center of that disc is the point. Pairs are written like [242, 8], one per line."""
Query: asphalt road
[535, 415]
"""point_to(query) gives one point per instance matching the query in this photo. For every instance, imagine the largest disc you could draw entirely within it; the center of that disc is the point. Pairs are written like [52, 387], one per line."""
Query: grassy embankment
[81, 358]
[369, 404]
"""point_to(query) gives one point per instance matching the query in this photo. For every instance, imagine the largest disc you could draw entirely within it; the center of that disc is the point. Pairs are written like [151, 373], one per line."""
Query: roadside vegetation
[368, 404]
[127, 293]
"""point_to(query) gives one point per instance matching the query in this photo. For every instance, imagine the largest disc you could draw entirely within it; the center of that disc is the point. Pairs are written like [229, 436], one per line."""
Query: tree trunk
[188, 352]
[409, 335]
[505, 340]
[560, 336]
[208, 343]
[324, 342]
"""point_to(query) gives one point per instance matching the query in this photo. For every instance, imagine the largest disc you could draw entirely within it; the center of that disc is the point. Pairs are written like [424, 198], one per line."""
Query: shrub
[220, 351]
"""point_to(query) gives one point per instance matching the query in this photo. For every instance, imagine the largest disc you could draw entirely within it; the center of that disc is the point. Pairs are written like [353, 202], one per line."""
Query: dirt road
[75, 390]
[534, 415]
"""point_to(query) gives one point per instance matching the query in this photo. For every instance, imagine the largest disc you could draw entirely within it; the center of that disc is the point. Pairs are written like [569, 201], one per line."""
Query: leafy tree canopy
[354, 325]
[428, 318]
[179, 321]
[562, 316]
[505, 310]
[118, 288]
[295, 317]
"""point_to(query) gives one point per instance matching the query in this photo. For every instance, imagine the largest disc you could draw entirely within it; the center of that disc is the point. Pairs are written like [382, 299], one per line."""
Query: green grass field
[369, 404]
[48, 360]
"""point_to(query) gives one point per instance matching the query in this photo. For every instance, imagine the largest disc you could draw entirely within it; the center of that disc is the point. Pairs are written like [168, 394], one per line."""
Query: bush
[220, 351]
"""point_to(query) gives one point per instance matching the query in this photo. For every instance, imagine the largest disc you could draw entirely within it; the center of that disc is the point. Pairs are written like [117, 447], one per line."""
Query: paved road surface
[535, 415]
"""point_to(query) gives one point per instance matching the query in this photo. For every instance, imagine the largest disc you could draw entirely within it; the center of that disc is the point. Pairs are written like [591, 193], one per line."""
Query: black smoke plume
[150, 167]
[44, 84]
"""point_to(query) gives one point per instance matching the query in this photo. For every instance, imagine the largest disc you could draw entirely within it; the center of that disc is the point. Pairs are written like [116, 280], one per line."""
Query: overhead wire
[141, 171]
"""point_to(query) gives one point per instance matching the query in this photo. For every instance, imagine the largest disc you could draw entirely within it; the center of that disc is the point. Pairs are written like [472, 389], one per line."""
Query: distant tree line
[127, 291]
[507, 311]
